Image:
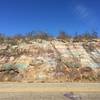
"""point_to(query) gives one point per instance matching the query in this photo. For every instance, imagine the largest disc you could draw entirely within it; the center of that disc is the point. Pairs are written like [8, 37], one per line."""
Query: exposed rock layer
[50, 61]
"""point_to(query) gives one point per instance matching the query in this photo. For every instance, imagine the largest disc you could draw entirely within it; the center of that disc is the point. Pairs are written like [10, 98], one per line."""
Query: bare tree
[2, 37]
[42, 35]
[64, 36]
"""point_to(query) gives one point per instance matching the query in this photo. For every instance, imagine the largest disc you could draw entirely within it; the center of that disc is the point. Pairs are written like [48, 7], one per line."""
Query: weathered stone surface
[55, 60]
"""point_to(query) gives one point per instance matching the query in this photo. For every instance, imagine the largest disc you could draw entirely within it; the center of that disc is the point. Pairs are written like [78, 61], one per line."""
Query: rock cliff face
[50, 61]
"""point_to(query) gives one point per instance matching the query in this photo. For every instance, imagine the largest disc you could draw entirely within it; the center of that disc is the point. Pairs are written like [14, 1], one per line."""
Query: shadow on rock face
[11, 74]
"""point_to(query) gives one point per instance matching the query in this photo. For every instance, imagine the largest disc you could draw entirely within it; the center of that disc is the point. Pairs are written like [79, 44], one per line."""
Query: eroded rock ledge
[50, 61]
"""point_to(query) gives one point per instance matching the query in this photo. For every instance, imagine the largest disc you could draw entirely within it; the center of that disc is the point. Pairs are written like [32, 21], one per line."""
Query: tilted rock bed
[50, 61]
[33, 74]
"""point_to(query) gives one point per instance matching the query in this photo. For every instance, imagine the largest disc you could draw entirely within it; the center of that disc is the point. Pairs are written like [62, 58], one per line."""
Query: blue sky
[53, 16]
